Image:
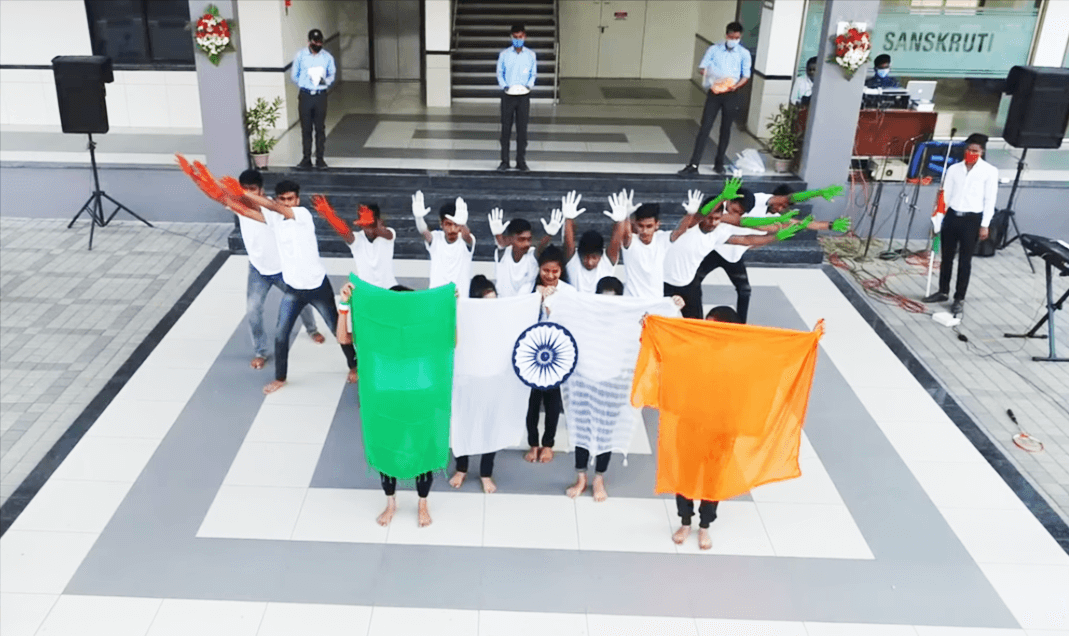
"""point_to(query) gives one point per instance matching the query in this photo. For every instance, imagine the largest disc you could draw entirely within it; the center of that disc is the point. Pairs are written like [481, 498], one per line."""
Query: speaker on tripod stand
[80, 83]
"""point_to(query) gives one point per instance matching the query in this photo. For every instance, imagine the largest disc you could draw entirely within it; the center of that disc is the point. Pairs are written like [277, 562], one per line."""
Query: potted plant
[259, 121]
[784, 139]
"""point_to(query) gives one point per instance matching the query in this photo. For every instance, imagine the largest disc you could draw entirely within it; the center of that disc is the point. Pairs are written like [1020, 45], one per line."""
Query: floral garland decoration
[213, 34]
[853, 45]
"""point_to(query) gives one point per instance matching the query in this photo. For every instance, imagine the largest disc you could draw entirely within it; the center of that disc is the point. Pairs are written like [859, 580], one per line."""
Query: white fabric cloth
[972, 191]
[644, 265]
[298, 248]
[373, 260]
[514, 278]
[489, 401]
[683, 257]
[260, 245]
[450, 262]
[586, 280]
[597, 396]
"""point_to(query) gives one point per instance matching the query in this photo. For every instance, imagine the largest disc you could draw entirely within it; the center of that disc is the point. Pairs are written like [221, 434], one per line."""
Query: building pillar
[222, 99]
[438, 39]
[833, 110]
[1052, 37]
[774, 62]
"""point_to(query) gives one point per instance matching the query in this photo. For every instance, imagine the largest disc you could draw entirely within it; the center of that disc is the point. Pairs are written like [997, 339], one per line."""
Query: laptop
[921, 91]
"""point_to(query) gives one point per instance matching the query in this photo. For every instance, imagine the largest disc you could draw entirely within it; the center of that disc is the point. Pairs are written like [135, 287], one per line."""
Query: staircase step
[497, 29]
[490, 66]
[518, 11]
[505, 21]
[493, 92]
[536, 43]
[487, 53]
[479, 79]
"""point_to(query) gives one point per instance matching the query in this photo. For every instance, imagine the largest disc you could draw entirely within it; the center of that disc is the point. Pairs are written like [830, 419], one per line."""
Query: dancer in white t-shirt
[371, 245]
[451, 247]
[588, 263]
[516, 264]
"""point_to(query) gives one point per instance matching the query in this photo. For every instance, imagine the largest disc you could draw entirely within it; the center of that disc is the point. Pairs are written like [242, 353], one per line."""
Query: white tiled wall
[765, 99]
[28, 97]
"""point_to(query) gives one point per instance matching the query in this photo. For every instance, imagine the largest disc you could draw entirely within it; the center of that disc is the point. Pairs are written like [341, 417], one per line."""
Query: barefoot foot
[705, 542]
[387, 515]
[424, 514]
[274, 386]
[532, 455]
[546, 455]
[351, 378]
[317, 337]
[488, 485]
[578, 487]
[457, 479]
[600, 494]
[258, 362]
[681, 535]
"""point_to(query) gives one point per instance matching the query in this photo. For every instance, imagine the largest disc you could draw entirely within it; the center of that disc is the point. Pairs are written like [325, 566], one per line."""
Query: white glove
[419, 211]
[629, 198]
[618, 205]
[693, 202]
[497, 221]
[460, 217]
[570, 204]
[556, 222]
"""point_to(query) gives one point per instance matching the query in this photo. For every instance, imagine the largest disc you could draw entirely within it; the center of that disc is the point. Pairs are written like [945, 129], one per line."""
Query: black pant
[313, 112]
[727, 105]
[960, 233]
[736, 274]
[486, 464]
[554, 406]
[514, 108]
[423, 484]
[692, 299]
[582, 458]
[706, 511]
[293, 301]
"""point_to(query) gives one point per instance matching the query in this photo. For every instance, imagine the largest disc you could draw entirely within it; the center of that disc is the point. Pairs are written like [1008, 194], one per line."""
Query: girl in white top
[451, 247]
[516, 263]
[371, 246]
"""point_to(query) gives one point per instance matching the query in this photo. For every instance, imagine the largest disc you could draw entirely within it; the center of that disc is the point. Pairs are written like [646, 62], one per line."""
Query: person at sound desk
[882, 78]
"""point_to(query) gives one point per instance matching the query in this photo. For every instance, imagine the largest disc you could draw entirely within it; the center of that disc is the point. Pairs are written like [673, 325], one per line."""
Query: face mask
[883, 72]
[517, 43]
[316, 48]
[972, 157]
[731, 43]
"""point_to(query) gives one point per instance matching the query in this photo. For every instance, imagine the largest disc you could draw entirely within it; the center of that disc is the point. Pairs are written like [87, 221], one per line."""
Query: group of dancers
[715, 231]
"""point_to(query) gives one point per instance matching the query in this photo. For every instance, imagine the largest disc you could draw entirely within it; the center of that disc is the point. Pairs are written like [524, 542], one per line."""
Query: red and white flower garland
[213, 34]
[852, 47]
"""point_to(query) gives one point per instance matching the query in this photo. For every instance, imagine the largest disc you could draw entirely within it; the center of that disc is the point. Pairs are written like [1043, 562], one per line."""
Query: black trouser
[582, 458]
[312, 110]
[423, 484]
[515, 108]
[736, 274]
[959, 234]
[706, 511]
[293, 301]
[486, 464]
[727, 105]
[554, 406]
[692, 299]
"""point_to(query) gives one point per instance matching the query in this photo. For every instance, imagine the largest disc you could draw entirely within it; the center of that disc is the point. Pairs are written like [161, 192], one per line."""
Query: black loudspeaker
[80, 83]
[1039, 111]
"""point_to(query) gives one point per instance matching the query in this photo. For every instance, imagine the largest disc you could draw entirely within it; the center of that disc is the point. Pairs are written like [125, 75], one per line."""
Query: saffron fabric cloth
[732, 400]
[597, 396]
[404, 350]
[489, 401]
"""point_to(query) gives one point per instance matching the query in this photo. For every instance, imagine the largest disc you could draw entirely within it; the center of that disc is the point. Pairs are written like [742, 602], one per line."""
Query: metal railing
[556, 51]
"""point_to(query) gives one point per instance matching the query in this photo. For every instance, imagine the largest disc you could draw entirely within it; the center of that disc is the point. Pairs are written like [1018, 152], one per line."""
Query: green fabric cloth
[404, 350]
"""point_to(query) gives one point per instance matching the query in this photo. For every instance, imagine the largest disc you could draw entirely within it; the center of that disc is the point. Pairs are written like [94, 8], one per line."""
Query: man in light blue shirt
[516, 70]
[725, 69]
[313, 73]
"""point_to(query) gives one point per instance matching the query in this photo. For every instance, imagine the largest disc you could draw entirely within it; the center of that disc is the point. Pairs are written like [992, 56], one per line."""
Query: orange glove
[367, 217]
[321, 205]
[232, 187]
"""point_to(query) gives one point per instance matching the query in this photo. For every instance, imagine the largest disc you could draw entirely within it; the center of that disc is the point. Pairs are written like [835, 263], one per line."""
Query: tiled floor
[879, 536]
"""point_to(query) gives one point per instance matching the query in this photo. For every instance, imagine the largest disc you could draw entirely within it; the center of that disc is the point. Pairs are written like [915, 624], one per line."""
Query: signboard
[620, 15]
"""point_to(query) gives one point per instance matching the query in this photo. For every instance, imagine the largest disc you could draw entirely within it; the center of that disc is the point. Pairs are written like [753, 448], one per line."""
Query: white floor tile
[738, 530]
[492, 623]
[181, 617]
[1046, 632]
[531, 521]
[308, 357]
[814, 486]
[935, 441]
[290, 423]
[309, 388]
[156, 384]
[37, 562]
[136, 418]
[1036, 594]
[253, 512]
[604, 625]
[858, 629]
[184, 353]
[341, 514]
[299, 619]
[929, 630]
[107, 459]
[403, 621]
[457, 519]
[22, 614]
[274, 464]
[813, 530]
[964, 485]
[1008, 536]
[889, 403]
[100, 616]
[72, 506]
[719, 627]
[623, 525]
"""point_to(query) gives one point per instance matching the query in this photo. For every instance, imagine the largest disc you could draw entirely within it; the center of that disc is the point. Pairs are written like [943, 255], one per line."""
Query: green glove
[790, 231]
[841, 224]
[828, 193]
[749, 221]
[730, 191]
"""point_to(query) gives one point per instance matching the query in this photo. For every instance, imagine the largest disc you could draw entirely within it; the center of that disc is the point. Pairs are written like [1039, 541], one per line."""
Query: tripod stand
[94, 205]
[1006, 239]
